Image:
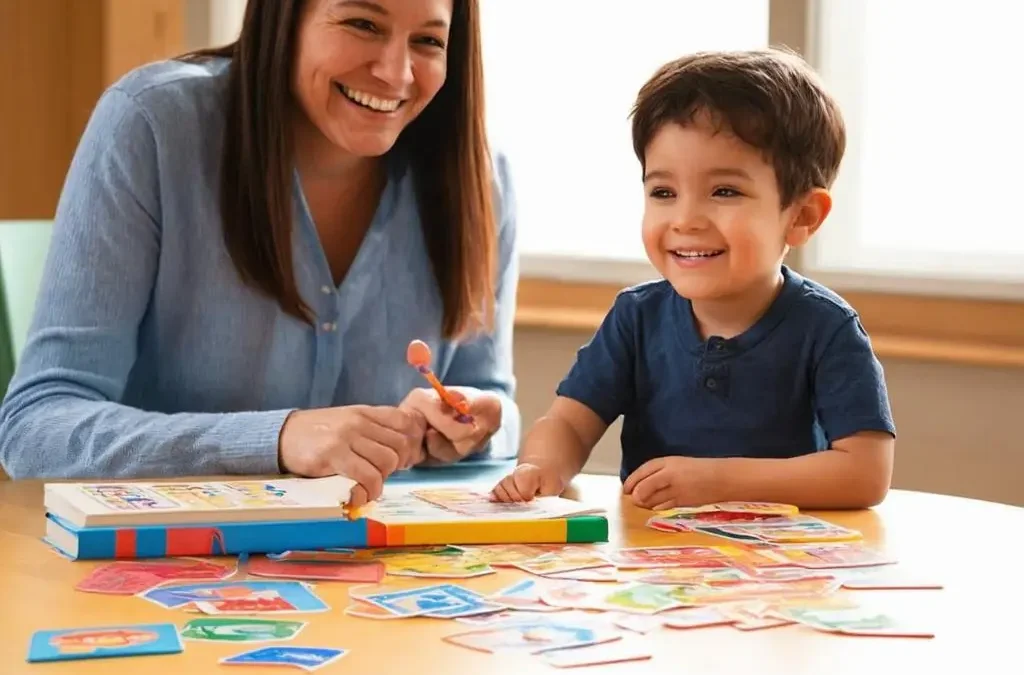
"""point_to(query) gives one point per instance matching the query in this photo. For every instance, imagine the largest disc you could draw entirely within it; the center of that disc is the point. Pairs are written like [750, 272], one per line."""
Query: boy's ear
[809, 212]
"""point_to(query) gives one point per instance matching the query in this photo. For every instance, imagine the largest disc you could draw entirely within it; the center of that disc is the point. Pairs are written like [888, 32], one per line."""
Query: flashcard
[883, 577]
[297, 594]
[609, 573]
[261, 602]
[543, 634]
[365, 610]
[690, 575]
[623, 597]
[743, 591]
[637, 623]
[125, 577]
[693, 617]
[567, 560]
[441, 600]
[232, 629]
[618, 651]
[104, 642]
[506, 555]
[306, 658]
[493, 619]
[752, 617]
[818, 556]
[457, 564]
[522, 595]
[852, 620]
[367, 572]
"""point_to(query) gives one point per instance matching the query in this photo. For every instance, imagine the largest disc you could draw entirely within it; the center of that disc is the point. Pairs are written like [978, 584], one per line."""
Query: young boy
[737, 378]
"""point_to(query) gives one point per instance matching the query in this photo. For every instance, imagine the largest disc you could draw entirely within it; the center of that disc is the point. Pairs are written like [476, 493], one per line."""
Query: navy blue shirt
[803, 376]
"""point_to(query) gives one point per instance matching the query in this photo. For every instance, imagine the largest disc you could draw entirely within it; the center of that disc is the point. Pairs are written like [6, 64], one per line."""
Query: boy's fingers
[643, 471]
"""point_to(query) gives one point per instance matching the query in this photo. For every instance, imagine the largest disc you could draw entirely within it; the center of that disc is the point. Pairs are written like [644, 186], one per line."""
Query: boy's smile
[713, 224]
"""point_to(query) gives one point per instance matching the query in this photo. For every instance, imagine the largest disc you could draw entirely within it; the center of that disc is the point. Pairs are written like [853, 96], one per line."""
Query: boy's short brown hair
[770, 99]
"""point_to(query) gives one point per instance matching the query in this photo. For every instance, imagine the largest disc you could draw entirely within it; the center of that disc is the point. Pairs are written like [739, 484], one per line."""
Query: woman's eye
[661, 193]
[726, 192]
[362, 24]
[432, 42]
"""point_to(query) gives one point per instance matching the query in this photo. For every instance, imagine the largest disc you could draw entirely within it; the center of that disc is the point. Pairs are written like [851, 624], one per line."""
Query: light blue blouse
[148, 357]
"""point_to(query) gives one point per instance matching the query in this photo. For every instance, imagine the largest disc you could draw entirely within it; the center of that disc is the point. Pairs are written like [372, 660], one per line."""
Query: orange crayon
[419, 357]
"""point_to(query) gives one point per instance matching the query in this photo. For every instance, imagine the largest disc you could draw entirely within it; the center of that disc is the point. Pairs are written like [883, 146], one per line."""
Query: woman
[248, 239]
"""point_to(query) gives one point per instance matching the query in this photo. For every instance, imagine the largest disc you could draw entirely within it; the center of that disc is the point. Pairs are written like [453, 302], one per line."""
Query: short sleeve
[602, 377]
[849, 385]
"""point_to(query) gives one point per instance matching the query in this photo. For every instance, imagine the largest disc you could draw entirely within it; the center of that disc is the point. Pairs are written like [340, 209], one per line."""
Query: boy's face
[713, 225]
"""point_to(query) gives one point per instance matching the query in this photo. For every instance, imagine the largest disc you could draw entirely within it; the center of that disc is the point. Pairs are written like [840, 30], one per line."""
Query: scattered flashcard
[749, 617]
[522, 595]
[693, 617]
[439, 601]
[363, 572]
[506, 555]
[686, 519]
[103, 642]
[128, 577]
[543, 634]
[502, 617]
[689, 575]
[790, 530]
[261, 602]
[609, 573]
[232, 629]
[479, 504]
[618, 651]
[566, 560]
[622, 597]
[817, 556]
[365, 610]
[638, 623]
[454, 564]
[742, 591]
[306, 658]
[851, 620]
[297, 594]
[883, 577]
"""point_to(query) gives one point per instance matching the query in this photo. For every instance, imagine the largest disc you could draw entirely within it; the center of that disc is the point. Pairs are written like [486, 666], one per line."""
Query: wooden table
[972, 547]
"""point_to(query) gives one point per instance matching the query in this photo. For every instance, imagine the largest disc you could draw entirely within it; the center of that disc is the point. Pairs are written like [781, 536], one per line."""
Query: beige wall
[957, 425]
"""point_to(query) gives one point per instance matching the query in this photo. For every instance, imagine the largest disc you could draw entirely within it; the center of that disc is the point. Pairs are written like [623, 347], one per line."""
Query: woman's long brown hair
[446, 146]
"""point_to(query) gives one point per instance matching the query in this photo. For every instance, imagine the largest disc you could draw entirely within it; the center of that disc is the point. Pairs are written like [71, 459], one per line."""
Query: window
[927, 196]
[561, 77]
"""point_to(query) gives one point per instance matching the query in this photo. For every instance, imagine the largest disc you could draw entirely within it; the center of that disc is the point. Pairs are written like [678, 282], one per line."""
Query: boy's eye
[726, 192]
[662, 193]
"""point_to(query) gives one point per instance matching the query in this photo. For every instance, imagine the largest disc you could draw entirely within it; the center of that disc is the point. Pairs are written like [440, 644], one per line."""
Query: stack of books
[90, 521]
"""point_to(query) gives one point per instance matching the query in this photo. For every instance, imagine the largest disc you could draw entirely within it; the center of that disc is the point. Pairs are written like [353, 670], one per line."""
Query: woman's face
[365, 69]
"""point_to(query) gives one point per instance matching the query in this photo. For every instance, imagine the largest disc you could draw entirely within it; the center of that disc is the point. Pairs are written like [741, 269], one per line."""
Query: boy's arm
[561, 441]
[854, 473]
[852, 406]
[594, 393]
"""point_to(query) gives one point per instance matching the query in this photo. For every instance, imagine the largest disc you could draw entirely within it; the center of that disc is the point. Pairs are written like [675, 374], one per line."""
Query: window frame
[927, 320]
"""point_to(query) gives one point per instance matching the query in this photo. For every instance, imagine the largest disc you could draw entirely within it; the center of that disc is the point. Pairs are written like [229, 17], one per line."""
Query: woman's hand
[364, 443]
[446, 439]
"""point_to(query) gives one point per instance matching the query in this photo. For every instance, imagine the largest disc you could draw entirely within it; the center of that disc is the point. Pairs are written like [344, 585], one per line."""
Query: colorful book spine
[101, 543]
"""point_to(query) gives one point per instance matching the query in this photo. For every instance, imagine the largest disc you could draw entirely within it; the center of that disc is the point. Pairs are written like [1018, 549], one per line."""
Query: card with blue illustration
[536, 636]
[103, 642]
[306, 658]
[239, 597]
[443, 601]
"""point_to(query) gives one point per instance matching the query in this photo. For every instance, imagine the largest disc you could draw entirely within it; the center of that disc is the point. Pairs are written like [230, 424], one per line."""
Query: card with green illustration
[238, 629]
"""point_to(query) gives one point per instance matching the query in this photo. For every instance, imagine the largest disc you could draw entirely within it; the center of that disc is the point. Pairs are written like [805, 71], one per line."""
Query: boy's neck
[733, 315]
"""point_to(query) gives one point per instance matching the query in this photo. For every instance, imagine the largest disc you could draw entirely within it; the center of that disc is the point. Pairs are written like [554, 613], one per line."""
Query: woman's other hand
[446, 439]
[364, 443]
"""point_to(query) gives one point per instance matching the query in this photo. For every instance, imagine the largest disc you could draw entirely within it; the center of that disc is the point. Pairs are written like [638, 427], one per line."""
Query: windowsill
[562, 295]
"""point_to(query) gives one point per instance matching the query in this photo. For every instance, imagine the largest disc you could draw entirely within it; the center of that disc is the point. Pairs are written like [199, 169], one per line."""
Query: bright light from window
[931, 181]
[561, 77]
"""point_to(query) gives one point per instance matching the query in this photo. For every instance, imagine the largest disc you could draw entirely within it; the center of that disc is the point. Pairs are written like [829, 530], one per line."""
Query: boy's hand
[668, 482]
[526, 482]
